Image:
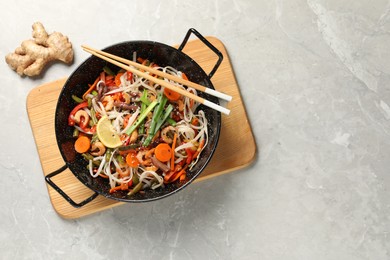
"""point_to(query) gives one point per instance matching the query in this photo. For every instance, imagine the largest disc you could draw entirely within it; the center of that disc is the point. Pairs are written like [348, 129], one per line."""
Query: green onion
[171, 121]
[93, 116]
[89, 100]
[161, 121]
[119, 158]
[144, 99]
[141, 117]
[89, 157]
[136, 189]
[108, 70]
[135, 179]
[128, 147]
[77, 99]
[162, 100]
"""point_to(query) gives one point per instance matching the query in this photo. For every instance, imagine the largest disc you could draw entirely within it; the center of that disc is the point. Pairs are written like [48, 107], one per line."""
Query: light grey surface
[315, 79]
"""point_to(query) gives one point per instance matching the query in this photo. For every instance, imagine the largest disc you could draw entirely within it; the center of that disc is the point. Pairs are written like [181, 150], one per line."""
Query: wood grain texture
[42, 101]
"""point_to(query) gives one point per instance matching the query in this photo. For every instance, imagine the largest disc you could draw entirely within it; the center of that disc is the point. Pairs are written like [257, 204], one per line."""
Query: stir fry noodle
[135, 133]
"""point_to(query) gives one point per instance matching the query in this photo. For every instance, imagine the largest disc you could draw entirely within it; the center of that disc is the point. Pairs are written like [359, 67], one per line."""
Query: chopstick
[121, 62]
[163, 74]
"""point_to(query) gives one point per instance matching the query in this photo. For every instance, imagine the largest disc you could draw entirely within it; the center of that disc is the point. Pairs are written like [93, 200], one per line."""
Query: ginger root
[34, 54]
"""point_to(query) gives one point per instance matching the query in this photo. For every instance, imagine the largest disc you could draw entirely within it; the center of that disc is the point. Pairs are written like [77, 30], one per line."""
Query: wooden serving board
[236, 137]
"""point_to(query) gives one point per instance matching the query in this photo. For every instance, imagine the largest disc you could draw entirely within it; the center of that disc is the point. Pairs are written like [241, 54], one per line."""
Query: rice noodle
[146, 176]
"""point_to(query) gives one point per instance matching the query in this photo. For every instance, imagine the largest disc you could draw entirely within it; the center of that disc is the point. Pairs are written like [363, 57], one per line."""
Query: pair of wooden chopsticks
[136, 68]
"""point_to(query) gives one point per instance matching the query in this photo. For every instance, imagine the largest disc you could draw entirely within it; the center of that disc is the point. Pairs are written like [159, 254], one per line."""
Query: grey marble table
[315, 79]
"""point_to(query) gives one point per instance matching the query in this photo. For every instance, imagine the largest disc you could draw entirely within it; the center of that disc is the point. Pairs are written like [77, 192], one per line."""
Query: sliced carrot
[125, 152]
[173, 151]
[195, 121]
[82, 144]
[126, 120]
[118, 79]
[110, 81]
[112, 190]
[168, 175]
[125, 139]
[192, 102]
[92, 87]
[171, 95]
[184, 76]
[149, 153]
[124, 186]
[196, 153]
[117, 97]
[163, 152]
[131, 159]
[177, 175]
[127, 185]
[182, 177]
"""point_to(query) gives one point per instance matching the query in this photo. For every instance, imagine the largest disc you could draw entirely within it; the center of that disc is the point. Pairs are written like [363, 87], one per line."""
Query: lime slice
[107, 134]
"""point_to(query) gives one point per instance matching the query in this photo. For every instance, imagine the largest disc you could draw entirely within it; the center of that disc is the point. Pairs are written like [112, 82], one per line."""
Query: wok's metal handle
[207, 43]
[62, 193]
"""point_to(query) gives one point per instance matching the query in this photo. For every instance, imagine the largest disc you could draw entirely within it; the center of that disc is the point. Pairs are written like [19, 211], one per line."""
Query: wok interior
[88, 71]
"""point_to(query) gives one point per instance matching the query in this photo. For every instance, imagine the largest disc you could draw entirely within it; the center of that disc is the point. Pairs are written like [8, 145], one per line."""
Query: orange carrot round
[131, 160]
[163, 152]
[171, 95]
[82, 144]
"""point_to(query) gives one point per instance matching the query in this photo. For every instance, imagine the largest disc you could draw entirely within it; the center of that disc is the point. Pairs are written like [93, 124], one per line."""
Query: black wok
[87, 72]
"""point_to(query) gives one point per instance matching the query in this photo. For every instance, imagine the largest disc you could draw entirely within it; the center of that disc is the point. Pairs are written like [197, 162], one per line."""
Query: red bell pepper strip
[129, 76]
[190, 153]
[74, 111]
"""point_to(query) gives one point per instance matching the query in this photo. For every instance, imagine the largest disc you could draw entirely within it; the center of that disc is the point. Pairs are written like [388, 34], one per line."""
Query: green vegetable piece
[77, 99]
[93, 116]
[119, 158]
[156, 115]
[89, 100]
[171, 121]
[108, 154]
[76, 132]
[89, 157]
[136, 189]
[135, 179]
[161, 121]
[94, 138]
[144, 103]
[128, 147]
[108, 70]
[141, 117]
[144, 98]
